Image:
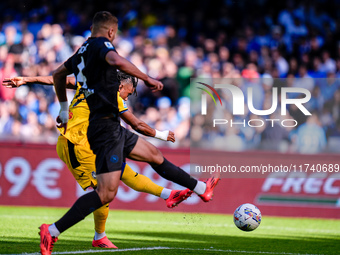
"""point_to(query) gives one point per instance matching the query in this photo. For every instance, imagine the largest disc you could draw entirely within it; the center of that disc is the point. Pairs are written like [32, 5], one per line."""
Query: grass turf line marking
[164, 248]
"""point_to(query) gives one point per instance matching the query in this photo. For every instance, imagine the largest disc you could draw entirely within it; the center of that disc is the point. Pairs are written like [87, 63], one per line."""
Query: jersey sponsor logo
[108, 45]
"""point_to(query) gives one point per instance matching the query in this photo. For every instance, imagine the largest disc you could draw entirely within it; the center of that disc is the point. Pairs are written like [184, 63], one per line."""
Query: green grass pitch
[136, 232]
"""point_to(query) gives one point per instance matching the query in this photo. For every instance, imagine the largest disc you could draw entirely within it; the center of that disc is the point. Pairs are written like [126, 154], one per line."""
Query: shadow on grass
[129, 239]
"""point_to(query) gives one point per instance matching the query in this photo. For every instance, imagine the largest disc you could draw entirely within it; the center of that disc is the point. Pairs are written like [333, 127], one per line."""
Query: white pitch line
[164, 248]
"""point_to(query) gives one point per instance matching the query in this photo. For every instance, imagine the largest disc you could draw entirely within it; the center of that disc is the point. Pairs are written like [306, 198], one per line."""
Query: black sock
[175, 174]
[85, 205]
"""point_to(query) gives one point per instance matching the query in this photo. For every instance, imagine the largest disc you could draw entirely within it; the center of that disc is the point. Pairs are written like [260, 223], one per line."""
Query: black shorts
[111, 143]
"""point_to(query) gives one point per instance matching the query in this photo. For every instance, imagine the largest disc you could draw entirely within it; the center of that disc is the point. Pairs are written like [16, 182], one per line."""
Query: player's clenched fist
[166, 135]
[171, 137]
[153, 84]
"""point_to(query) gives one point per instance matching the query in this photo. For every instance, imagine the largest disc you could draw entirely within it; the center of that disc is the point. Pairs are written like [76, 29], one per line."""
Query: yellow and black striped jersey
[79, 113]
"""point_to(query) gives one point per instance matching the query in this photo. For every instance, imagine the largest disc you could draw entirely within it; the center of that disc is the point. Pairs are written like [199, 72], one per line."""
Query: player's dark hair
[103, 17]
[124, 77]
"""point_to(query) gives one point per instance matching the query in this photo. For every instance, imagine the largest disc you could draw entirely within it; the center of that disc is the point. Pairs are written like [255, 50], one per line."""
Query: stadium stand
[291, 39]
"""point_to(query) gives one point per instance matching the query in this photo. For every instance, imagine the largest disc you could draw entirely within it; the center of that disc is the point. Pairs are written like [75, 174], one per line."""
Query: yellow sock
[100, 215]
[140, 182]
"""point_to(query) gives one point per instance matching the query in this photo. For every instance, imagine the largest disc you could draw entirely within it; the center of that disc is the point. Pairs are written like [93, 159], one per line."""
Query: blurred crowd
[175, 41]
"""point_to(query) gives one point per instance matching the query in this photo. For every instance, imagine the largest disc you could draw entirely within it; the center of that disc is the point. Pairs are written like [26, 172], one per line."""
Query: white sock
[98, 236]
[53, 230]
[200, 188]
[165, 193]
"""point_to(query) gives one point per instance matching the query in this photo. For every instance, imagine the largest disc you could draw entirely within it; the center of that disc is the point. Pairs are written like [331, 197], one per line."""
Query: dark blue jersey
[97, 78]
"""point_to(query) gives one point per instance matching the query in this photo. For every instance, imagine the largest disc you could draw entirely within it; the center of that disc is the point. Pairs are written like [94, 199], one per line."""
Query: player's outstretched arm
[16, 82]
[143, 128]
[126, 66]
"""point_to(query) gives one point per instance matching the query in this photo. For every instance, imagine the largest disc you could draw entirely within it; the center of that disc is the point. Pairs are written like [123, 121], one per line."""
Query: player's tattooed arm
[16, 82]
[143, 128]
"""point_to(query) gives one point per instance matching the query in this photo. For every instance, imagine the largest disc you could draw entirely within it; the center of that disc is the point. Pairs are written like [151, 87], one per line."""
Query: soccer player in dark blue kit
[95, 67]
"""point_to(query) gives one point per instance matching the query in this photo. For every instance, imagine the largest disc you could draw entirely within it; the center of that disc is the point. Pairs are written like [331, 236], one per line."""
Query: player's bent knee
[158, 159]
[156, 156]
[107, 196]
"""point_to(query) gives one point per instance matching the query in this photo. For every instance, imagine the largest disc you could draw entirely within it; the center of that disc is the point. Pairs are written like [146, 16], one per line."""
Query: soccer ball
[247, 217]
